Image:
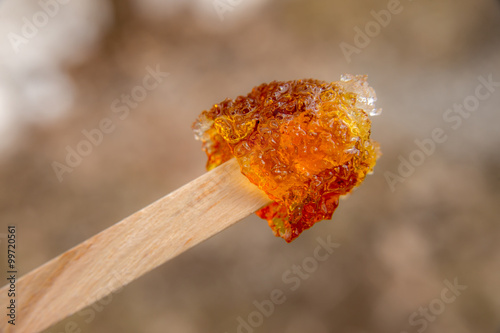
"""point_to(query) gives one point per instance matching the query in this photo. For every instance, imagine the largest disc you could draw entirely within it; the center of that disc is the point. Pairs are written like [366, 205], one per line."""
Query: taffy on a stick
[303, 143]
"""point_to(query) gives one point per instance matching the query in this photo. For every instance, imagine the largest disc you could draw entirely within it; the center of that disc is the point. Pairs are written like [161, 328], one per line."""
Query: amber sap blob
[304, 143]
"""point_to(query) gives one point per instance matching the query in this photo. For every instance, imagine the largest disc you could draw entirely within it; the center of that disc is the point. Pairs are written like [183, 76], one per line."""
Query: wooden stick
[125, 251]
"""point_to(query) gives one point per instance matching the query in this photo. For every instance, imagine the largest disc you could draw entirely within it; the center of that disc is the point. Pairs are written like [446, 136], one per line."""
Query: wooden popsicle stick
[130, 248]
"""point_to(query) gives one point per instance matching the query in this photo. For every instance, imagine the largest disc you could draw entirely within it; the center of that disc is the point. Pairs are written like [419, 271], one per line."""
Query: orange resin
[305, 143]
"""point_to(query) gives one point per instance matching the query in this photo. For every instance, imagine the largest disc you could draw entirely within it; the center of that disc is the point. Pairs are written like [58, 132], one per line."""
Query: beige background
[396, 247]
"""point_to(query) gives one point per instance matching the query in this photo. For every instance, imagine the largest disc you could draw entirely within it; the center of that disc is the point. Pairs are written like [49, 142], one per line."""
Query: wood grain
[132, 247]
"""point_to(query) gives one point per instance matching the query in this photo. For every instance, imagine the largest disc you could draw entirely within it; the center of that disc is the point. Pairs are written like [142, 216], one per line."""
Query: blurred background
[66, 66]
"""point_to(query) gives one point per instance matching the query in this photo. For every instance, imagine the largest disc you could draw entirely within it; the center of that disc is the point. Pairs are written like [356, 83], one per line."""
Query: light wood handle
[125, 251]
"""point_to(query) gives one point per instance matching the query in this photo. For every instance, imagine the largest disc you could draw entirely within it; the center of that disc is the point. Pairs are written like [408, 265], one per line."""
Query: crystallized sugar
[303, 142]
